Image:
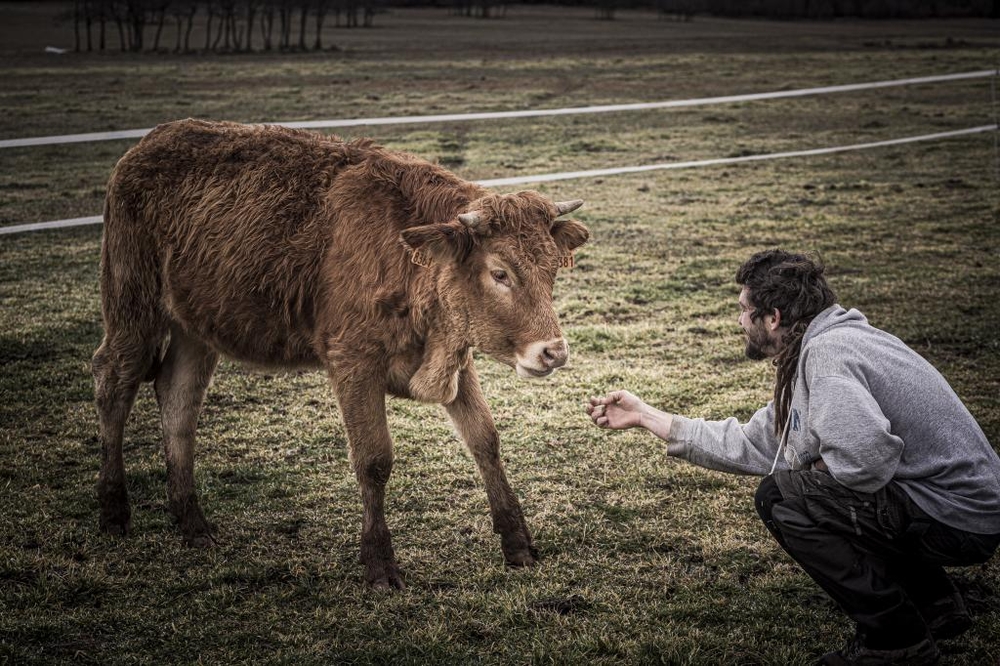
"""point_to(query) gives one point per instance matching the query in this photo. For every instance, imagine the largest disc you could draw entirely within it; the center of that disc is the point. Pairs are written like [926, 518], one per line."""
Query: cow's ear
[569, 234]
[442, 242]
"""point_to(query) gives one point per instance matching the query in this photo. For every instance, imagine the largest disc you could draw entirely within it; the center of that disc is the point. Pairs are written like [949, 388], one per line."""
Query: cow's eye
[501, 277]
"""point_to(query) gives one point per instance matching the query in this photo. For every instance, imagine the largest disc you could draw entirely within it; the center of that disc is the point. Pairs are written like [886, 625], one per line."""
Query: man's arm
[620, 409]
[856, 443]
[726, 445]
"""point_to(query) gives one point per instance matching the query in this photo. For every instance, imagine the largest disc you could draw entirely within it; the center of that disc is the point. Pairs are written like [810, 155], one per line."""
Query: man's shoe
[855, 653]
[947, 617]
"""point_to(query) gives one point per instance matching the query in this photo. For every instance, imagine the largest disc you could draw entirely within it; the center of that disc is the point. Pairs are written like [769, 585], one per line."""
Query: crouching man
[876, 476]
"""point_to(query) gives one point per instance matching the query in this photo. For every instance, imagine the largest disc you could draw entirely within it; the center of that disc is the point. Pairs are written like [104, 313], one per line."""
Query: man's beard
[758, 345]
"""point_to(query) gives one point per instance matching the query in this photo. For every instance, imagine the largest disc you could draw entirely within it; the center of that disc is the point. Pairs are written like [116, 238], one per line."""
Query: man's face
[763, 339]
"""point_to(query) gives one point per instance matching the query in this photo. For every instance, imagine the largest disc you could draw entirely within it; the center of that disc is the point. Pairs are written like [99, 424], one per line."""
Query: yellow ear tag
[566, 261]
[420, 259]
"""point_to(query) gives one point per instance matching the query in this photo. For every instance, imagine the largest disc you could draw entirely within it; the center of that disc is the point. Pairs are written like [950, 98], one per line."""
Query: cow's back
[235, 221]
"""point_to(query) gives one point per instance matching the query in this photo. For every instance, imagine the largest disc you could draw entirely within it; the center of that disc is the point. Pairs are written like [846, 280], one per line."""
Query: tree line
[250, 25]
[230, 25]
[830, 9]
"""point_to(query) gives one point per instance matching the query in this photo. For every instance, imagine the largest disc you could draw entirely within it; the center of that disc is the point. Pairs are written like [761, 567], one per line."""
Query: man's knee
[768, 494]
[782, 511]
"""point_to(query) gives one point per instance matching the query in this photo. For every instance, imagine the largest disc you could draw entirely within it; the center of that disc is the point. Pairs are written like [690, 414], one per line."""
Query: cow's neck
[444, 323]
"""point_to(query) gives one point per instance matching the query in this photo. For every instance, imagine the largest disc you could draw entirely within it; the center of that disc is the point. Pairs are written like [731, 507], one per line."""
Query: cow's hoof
[527, 557]
[518, 550]
[387, 577]
[197, 532]
[199, 540]
[116, 525]
[116, 517]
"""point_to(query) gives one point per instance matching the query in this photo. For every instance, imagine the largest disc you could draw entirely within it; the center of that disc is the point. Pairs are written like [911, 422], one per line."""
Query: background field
[645, 559]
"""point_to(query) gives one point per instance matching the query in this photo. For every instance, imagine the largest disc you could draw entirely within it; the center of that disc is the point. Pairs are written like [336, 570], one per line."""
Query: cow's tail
[135, 321]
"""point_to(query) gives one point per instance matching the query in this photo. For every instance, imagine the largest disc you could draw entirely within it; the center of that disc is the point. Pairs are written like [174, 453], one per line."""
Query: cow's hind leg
[119, 366]
[181, 383]
[362, 405]
[471, 415]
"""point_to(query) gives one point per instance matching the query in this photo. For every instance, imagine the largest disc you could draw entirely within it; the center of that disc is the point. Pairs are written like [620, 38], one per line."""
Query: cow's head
[498, 262]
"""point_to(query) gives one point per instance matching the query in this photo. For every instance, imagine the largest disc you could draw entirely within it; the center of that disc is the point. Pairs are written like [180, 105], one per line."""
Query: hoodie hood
[833, 316]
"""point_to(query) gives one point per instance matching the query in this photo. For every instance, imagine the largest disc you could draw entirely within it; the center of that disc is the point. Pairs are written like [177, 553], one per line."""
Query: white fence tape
[534, 113]
[518, 180]
[569, 175]
[58, 224]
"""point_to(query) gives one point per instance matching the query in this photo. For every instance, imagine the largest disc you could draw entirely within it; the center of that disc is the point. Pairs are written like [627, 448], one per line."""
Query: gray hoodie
[874, 410]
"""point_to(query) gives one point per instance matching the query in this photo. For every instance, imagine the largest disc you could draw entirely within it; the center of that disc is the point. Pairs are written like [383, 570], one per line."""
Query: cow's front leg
[471, 416]
[362, 403]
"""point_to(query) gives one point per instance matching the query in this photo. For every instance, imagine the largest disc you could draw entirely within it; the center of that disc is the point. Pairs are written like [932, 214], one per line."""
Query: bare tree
[606, 9]
[251, 8]
[222, 30]
[350, 9]
[77, 17]
[303, 19]
[369, 11]
[135, 20]
[267, 22]
[285, 9]
[678, 10]
[230, 29]
[320, 8]
[117, 12]
[89, 11]
[478, 8]
[159, 14]
[489, 9]
[211, 9]
[183, 12]
[103, 10]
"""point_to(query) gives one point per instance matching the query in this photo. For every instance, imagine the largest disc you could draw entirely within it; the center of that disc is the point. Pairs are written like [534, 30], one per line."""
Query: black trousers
[879, 556]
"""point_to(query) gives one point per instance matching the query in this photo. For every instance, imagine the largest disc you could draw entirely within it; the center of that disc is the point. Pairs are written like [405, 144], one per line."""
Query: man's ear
[569, 234]
[775, 320]
[443, 242]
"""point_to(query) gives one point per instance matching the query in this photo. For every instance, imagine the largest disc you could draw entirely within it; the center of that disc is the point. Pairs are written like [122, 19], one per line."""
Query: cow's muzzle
[540, 359]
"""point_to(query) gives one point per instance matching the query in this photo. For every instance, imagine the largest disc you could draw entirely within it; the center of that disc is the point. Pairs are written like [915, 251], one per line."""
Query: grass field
[646, 560]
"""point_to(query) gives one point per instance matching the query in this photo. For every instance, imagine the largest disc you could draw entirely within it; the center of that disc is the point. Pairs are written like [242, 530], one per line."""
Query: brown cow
[285, 248]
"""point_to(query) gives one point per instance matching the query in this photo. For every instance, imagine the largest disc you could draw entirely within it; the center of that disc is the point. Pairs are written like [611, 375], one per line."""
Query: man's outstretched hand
[617, 410]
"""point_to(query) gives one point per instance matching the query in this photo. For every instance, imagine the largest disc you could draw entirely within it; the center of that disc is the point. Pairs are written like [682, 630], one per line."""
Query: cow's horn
[568, 206]
[470, 220]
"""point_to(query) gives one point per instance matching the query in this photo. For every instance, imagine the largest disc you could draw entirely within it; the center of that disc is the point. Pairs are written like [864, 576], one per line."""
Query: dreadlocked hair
[785, 365]
[794, 285]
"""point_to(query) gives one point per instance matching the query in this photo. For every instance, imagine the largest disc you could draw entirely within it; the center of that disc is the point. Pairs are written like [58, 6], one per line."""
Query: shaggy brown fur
[284, 248]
